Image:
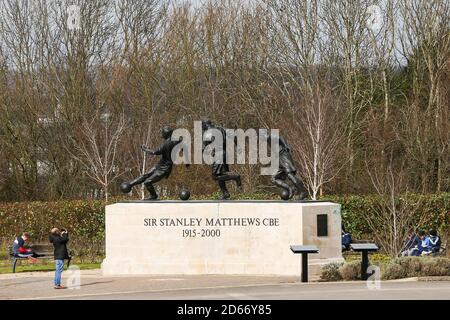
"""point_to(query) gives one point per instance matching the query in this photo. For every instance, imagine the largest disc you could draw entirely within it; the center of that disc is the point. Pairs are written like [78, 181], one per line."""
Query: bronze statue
[286, 170]
[161, 170]
[220, 167]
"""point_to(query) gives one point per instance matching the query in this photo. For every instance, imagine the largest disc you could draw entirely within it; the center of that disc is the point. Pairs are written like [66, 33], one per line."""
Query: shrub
[330, 272]
[411, 265]
[394, 271]
[351, 271]
[406, 267]
[433, 206]
[436, 267]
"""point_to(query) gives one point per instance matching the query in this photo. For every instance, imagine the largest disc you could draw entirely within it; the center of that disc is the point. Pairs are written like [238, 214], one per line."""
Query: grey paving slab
[38, 285]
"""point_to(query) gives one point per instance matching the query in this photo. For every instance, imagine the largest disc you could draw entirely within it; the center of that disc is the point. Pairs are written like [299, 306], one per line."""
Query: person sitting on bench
[346, 239]
[423, 247]
[19, 248]
[411, 242]
[435, 242]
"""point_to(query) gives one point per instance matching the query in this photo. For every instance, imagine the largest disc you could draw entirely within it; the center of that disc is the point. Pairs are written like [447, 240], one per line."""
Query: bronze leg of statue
[302, 192]
[138, 180]
[142, 178]
[149, 184]
[278, 179]
[227, 177]
[222, 178]
[151, 189]
[223, 188]
[282, 184]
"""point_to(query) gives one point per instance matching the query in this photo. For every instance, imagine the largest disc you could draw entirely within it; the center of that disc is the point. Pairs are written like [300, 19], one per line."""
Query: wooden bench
[45, 249]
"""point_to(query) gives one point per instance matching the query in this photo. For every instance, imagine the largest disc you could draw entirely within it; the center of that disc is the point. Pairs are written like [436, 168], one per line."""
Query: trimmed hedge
[85, 218]
[398, 268]
[82, 218]
[406, 267]
[435, 206]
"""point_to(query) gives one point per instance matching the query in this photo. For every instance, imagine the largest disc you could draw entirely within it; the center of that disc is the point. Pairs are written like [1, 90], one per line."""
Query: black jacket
[60, 246]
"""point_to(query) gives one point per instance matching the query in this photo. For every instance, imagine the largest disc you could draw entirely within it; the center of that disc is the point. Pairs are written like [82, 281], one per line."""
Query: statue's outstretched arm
[151, 152]
[159, 151]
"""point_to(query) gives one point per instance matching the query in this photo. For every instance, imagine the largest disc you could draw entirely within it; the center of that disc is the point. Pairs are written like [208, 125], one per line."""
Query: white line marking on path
[240, 296]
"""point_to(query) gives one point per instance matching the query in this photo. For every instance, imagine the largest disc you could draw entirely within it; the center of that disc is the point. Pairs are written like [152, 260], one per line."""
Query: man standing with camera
[59, 239]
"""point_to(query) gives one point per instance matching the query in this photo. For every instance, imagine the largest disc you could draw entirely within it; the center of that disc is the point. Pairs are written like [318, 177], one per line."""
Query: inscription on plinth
[207, 237]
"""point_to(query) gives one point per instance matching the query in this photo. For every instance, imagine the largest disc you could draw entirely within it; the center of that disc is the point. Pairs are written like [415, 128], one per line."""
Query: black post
[364, 264]
[14, 264]
[304, 267]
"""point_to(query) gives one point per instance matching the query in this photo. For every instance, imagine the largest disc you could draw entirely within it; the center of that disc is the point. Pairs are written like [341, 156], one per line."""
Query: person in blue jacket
[346, 239]
[435, 242]
[423, 247]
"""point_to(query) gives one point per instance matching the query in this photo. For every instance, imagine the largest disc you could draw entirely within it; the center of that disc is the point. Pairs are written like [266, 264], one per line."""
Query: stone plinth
[214, 237]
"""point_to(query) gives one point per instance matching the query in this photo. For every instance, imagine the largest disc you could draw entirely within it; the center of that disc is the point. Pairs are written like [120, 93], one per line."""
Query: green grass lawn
[25, 266]
[374, 258]
[45, 265]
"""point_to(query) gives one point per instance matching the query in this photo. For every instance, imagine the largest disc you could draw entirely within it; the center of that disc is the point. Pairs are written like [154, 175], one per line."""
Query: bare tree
[320, 126]
[302, 77]
[97, 148]
[396, 212]
[425, 44]
[315, 69]
[345, 37]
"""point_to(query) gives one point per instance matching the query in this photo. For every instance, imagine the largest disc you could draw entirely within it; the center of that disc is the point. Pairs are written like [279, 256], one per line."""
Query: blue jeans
[59, 264]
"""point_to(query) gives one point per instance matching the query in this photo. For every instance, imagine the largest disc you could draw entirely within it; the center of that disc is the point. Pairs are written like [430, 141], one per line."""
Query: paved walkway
[38, 285]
